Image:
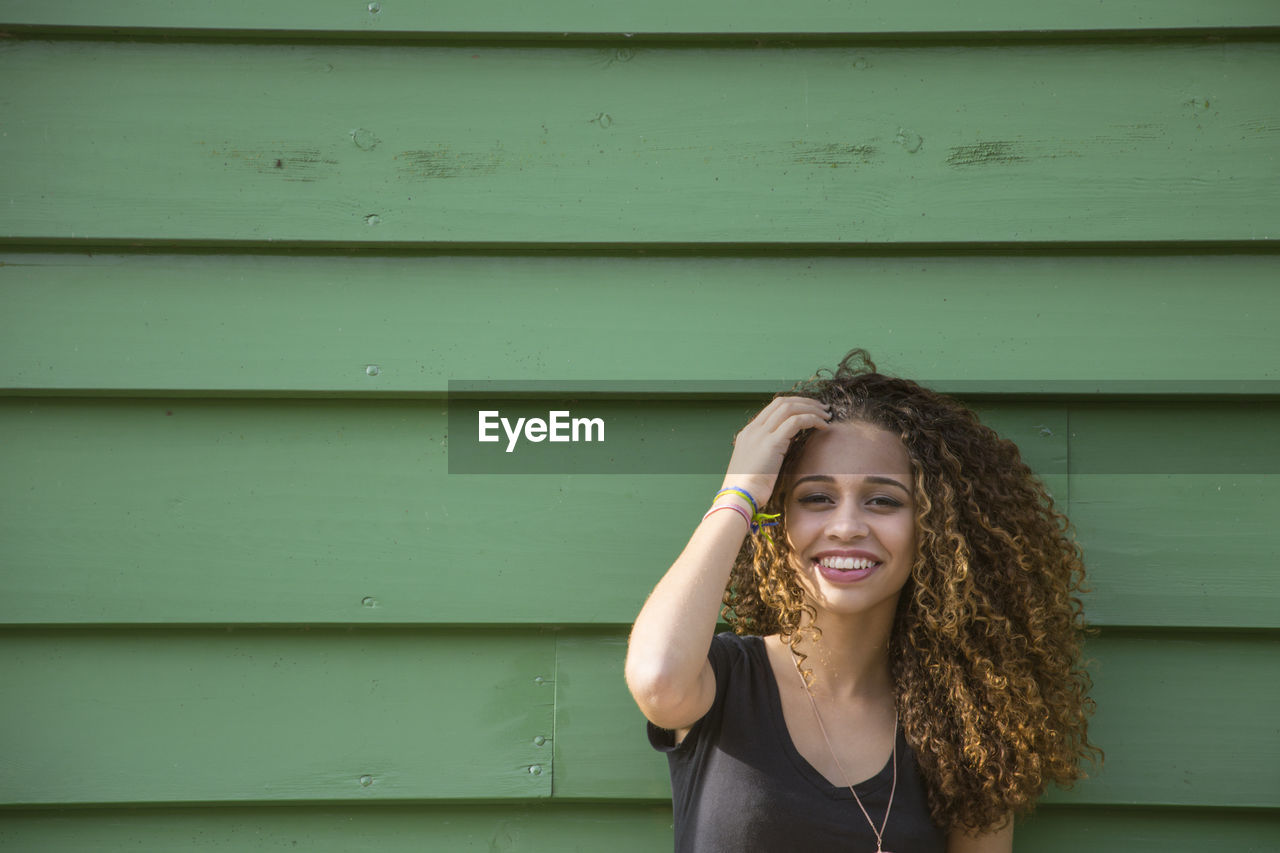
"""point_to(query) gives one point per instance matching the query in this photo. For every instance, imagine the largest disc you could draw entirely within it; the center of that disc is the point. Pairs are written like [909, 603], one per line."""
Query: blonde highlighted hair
[986, 646]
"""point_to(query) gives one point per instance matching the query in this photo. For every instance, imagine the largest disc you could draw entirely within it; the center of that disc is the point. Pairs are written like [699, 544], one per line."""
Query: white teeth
[846, 563]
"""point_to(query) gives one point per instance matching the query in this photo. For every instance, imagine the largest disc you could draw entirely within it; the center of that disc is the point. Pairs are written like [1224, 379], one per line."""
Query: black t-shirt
[739, 785]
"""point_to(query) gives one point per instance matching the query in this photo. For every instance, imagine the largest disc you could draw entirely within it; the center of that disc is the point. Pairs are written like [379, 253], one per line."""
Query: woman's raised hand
[667, 668]
[759, 447]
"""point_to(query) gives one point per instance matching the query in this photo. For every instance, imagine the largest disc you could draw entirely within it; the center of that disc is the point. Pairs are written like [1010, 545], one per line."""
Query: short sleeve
[723, 648]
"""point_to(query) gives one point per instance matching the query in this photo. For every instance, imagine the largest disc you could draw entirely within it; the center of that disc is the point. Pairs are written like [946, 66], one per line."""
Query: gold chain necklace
[893, 758]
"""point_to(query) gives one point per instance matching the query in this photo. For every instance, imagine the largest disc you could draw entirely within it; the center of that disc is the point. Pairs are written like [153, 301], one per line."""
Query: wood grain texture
[274, 618]
[318, 18]
[397, 145]
[556, 827]
[1154, 694]
[197, 511]
[125, 511]
[1063, 830]
[510, 827]
[262, 716]
[1201, 546]
[1174, 437]
[1163, 487]
[601, 749]
[195, 324]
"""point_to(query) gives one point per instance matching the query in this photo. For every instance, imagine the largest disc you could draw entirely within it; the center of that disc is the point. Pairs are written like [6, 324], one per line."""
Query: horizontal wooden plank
[1174, 437]
[1179, 549]
[543, 827]
[1175, 504]
[404, 145]
[600, 750]
[555, 827]
[1176, 714]
[318, 513]
[284, 325]
[314, 511]
[1184, 721]
[318, 18]
[196, 511]
[254, 716]
[1125, 830]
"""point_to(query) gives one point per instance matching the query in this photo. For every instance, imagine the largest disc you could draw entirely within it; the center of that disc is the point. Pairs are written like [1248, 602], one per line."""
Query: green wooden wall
[244, 247]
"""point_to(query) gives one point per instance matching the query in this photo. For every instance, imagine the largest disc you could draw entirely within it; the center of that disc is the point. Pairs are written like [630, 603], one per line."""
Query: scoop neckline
[866, 787]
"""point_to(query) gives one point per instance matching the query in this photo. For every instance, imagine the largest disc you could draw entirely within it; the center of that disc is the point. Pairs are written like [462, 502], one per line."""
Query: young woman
[904, 674]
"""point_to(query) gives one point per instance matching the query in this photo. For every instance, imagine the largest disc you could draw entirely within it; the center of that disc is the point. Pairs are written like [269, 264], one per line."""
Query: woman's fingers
[761, 445]
[781, 425]
[775, 416]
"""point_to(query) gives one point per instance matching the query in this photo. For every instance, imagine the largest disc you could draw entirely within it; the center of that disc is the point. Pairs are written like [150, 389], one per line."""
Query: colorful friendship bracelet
[743, 492]
[739, 510]
[757, 520]
[760, 520]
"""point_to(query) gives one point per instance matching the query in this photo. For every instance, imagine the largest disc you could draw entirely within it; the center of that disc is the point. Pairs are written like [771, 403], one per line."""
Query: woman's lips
[845, 575]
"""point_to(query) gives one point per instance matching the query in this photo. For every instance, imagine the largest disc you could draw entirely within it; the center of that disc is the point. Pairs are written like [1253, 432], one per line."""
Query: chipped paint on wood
[304, 165]
[834, 154]
[444, 162]
[985, 153]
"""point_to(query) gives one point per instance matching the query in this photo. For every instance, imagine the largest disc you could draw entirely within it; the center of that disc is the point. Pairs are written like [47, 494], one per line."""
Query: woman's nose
[847, 522]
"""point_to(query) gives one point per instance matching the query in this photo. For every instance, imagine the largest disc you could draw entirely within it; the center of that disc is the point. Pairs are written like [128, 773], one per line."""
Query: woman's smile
[885, 561]
[846, 566]
[850, 518]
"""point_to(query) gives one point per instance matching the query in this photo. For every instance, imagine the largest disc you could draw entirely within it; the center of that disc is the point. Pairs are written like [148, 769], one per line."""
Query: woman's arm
[996, 841]
[667, 669]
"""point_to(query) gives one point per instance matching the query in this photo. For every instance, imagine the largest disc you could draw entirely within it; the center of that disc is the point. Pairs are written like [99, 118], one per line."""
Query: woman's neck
[850, 658]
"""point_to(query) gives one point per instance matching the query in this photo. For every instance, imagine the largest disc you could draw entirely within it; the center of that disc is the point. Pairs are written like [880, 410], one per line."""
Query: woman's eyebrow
[871, 478]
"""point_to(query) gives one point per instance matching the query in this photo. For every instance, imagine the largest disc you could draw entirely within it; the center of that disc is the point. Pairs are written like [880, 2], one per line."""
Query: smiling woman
[904, 673]
[841, 494]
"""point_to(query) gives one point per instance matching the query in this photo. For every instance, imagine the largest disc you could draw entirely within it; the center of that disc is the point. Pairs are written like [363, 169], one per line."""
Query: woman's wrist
[757, 489]
[743, 503]
[737, 510]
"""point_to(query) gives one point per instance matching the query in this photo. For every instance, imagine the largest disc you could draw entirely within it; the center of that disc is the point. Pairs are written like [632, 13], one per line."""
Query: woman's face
[850, 519]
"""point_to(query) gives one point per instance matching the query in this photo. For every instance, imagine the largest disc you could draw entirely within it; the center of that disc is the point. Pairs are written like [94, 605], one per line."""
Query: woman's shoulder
[736, 640]
[729, 642]
[741, 652]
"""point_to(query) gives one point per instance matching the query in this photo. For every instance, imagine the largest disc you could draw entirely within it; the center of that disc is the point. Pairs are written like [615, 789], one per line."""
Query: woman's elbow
[663, 699]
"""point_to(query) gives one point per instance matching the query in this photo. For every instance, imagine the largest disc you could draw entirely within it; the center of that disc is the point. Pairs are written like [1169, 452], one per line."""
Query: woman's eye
[819, 498]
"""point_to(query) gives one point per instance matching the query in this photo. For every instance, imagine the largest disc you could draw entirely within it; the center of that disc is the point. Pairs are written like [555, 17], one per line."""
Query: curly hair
[985, 647]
